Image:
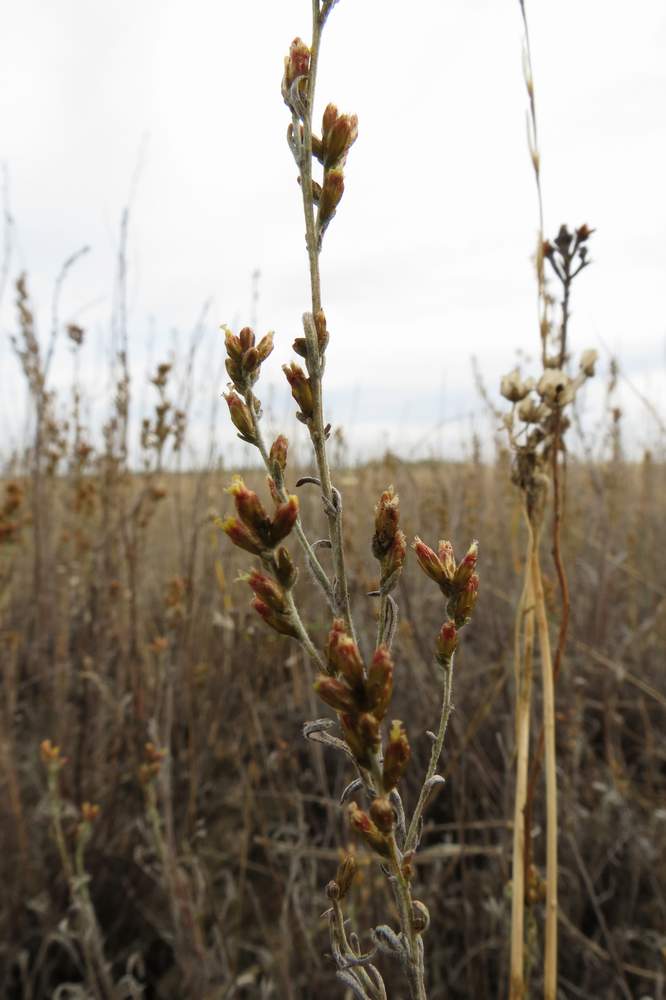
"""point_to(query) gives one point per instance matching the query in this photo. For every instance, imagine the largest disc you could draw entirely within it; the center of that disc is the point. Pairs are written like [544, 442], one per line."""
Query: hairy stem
[445, 714]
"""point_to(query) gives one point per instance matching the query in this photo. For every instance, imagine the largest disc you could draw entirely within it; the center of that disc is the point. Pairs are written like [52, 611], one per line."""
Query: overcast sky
[428, 259]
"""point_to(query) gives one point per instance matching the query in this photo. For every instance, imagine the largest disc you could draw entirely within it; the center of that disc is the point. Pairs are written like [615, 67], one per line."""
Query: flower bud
[329, 118]
[393, 562]
[297, 63]
[461, 605]
[379, 685]
[346, 659]
[336, 693]
[265, 347]
[338, 629]
[447, 643]
[301, 390]
[241, 416]
[396, 756]
[466, 566]
[387, 518]
[241, 535]
[338, 140]
[90, 812]
[267, 590]
[250, 510]
[284, 520]
[278, 453]
[382, 814]
[322, 330]
[361, 822]
[429, 562]
[447, 558]
[331, 193]
[285, 571]
[345, 874]
[278, 622]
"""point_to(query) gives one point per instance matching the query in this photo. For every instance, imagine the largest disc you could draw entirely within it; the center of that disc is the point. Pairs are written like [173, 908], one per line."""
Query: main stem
[524, 636]
[550, 966]
[317, 427]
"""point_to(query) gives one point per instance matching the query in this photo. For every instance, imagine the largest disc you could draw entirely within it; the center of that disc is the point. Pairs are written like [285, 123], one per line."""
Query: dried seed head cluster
[537, 422]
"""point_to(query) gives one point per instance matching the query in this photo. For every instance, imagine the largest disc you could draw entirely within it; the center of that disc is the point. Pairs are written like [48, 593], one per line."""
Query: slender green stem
[445, 713]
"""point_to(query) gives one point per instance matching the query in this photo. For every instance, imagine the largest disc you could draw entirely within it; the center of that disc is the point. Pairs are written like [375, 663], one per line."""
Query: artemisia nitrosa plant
[357, 686]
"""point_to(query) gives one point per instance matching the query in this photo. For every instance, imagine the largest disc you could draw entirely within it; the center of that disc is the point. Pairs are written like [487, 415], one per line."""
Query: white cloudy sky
[427, 262]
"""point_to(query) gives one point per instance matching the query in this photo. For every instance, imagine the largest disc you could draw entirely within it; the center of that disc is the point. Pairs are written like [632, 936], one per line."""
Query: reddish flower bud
[393, 562]
[336, 693]
[297, 63]
[462, 604]
[447, 558]
[278, 622]
[331, 193]
[382, 814]
[301, 390]
[251, 510]
[241, 535]
[379, 686]
[346, 659]
[232, 344]
[278, 453]
[447, 642]
[429, 561]
[362, 735]
[329, 118]
[246, 338]
[338, 629]
[466, 566]
[361, 822]
[338, 140]
[267, 589]
[322, 330]
[241, 416]
[396, 756]
[284, 520]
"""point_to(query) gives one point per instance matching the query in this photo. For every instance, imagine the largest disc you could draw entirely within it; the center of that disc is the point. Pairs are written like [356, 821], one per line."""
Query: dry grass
[155, 636]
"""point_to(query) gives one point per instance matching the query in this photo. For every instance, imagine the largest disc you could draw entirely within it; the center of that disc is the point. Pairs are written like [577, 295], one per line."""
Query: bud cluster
[253, 529]
[153, 757]
[269, 601]
[301, 390]
[389, 544]
[458, 581]
[295, 76]
[245, 357]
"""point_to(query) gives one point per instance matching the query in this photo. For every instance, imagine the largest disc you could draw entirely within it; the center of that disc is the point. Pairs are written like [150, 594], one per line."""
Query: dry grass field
[122, 623]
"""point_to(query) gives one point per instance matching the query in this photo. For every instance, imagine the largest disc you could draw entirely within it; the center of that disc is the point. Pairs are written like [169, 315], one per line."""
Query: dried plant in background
[357, 686]
[536, 427]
